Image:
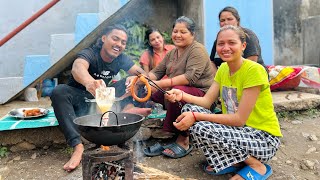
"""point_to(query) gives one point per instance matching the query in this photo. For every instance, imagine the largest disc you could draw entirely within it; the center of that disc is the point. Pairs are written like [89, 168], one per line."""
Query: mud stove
[112, 162]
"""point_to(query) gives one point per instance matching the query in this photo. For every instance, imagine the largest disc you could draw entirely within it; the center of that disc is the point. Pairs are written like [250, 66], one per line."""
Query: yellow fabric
[285, 72]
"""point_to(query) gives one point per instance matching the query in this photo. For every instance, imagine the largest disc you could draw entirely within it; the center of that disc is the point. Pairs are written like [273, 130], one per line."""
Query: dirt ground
[298, 157]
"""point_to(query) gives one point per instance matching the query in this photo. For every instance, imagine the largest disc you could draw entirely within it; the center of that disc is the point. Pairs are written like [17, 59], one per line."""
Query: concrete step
[60, 45]
[9, 87]
[106, 10]
[85, 23]
[34, 66]
[294, 101]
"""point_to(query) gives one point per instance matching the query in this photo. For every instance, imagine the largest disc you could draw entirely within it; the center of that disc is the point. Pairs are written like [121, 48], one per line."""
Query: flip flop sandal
[154, 150]
[248, 173]
[230, 169]
[178, 151]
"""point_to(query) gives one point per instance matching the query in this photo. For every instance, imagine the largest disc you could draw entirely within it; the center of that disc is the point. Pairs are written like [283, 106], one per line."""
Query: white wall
[35, 39]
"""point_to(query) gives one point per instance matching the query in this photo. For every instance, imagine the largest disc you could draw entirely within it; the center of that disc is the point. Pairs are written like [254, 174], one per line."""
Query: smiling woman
[188, 69]
[229, 47]
[230, 16]
[156, 49]
[247, 134]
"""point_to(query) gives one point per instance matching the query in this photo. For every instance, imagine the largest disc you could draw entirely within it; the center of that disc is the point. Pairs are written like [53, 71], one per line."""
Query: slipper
[178, 151]
[248, 173]
[230, 169]
[154, 150]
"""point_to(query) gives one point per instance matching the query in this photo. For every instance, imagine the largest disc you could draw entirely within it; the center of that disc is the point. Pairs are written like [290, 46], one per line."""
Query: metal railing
[27, 22]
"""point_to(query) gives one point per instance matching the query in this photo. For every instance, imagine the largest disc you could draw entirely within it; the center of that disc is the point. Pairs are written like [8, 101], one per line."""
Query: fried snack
[145, 81]
[32, 112]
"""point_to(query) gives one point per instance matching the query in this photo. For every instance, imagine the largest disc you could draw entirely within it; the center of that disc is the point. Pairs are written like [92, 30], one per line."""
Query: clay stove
[115, 163]
[115, 134]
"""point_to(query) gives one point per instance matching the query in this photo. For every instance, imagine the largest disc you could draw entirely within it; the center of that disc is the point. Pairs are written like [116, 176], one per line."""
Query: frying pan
[120, 127]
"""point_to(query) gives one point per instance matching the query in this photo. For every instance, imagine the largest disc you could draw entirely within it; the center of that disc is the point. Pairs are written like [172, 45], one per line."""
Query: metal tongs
[153, 84]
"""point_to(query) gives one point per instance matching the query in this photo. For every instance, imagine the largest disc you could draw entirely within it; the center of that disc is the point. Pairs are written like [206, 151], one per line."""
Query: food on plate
[32, 112]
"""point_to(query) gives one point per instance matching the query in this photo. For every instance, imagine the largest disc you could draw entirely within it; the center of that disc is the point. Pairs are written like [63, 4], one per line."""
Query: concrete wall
[194, 10]
[311, 40]
[288, 41]
[35, 39]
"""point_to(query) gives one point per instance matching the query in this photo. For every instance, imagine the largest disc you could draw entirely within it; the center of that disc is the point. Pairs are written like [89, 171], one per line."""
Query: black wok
[114, 133]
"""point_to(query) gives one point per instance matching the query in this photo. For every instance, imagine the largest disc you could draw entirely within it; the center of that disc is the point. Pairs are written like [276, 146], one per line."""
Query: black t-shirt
[253, 49]
[100, 69]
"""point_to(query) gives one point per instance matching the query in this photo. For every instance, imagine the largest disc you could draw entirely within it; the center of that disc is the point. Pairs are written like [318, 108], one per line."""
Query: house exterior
[286, 30]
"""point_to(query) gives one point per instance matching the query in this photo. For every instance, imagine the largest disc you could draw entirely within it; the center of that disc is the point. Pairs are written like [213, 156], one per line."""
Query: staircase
[64, 47]
[60, 44]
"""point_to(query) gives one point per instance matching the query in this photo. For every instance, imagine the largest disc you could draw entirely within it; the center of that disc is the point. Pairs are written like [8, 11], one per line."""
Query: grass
[4, 152]
[293, 114]
[67, 150]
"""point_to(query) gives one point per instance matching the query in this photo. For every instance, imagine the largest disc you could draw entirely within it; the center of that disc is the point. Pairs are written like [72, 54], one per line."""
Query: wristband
[171, 82]
[181, 96]
[194, 116]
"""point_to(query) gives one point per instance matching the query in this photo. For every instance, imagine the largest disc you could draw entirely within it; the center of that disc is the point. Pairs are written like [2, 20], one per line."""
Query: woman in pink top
[157, 49]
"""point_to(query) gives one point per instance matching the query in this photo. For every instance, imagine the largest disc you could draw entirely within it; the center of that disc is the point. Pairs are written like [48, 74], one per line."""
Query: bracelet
[194, 116]
[171, 82]
[181, 96]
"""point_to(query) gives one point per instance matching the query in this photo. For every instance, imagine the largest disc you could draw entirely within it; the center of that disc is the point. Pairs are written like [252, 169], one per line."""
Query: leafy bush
[136, 42]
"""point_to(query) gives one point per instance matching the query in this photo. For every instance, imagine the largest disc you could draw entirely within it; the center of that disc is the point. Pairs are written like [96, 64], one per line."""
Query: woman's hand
[184, 121]
[93, 85]
[174, 95]
[153, 89]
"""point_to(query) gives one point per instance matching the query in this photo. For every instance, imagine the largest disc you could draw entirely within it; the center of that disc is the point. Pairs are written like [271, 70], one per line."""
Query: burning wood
[108, 171]
[105, 148]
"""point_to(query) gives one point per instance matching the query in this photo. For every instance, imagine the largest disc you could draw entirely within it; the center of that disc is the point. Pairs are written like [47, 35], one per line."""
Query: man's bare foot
[136, 110]
[75, 159]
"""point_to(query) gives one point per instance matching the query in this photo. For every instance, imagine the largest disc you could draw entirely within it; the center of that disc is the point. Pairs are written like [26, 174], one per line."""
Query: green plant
[67, 150]
[287, 114]
[135, 45]
[3, 152]
[294, 114]
[312, 111]
[136, 42]
[167, 37]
